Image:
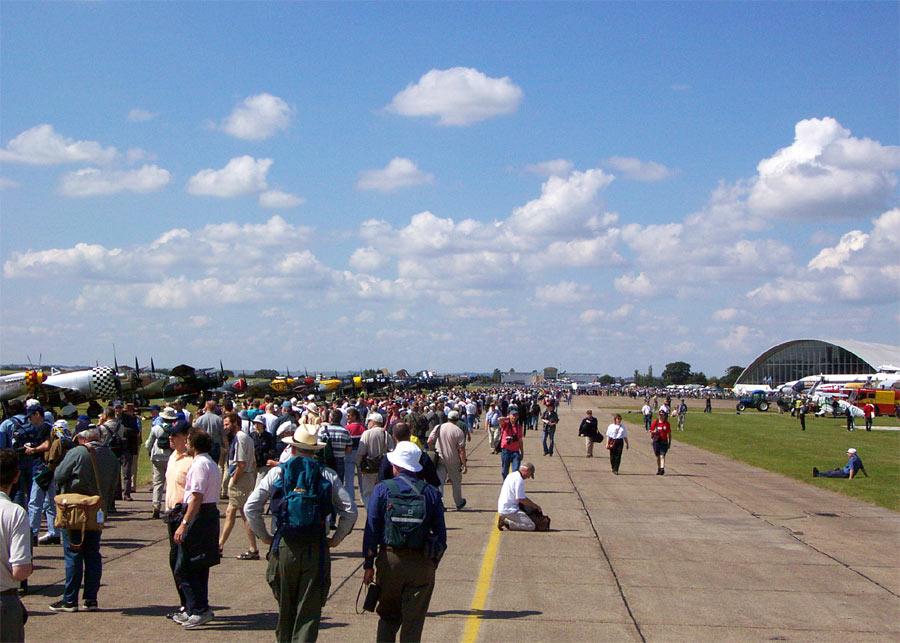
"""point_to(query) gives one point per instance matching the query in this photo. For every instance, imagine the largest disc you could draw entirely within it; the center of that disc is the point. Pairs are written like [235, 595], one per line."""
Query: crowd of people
[290, 470]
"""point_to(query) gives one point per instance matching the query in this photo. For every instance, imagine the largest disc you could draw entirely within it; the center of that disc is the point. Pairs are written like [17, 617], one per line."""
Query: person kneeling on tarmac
[404, 540]
[517, 512]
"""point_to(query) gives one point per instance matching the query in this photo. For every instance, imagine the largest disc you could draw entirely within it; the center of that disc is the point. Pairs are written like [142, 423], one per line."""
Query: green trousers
[407, 582]
[299, 574]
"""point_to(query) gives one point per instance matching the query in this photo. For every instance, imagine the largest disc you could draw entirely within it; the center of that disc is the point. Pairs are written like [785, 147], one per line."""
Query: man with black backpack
[405, 538]
[303, 494]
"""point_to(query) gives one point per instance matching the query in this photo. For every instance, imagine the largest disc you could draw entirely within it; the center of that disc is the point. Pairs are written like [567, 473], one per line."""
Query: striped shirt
[339, 437]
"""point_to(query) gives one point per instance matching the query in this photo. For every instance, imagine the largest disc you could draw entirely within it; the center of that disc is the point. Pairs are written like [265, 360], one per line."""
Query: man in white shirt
[511, 496]
[15, 551]
[647, 412]
[240, 484]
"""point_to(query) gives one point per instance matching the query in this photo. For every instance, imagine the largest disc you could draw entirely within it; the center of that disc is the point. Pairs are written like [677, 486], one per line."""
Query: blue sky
[451, 186]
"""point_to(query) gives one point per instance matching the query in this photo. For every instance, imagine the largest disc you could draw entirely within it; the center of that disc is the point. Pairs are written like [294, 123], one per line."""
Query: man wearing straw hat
[299, 570]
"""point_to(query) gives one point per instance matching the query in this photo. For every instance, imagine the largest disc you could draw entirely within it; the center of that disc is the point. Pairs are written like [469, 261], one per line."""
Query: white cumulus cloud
[367, 260]
[8, 184]
[825, 174]
[242, 176]
[258, 117]
[42, 145]
[279, 199]
[458, 96]
[399, 173]
[93, 181]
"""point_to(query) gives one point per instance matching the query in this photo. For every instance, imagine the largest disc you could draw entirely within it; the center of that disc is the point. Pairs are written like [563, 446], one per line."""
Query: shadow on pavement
[488, 614]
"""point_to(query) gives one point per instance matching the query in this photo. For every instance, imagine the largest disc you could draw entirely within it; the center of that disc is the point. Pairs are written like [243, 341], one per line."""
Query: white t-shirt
[203, 477]
[15, 541]
[616, 431]
[512, 492]
[646, 410]
[244, 452]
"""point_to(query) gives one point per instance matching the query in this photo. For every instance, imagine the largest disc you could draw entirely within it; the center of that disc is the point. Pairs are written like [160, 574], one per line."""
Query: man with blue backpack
[404, 539]
[302, 494]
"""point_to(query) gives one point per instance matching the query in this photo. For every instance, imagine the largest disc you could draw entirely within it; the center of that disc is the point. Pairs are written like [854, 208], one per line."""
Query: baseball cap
[179, 428]
[851, 450]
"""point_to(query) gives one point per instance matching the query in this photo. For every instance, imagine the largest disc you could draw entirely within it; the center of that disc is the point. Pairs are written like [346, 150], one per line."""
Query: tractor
[758, 400]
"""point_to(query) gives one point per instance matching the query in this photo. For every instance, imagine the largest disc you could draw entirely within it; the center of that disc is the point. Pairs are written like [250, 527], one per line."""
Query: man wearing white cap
[450, 442]
[512, 495]
[854, 466]
[405, 530]
[299, 569]
[373, 444]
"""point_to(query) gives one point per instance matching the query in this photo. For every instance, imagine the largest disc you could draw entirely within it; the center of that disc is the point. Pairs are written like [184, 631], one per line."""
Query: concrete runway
[714, 550]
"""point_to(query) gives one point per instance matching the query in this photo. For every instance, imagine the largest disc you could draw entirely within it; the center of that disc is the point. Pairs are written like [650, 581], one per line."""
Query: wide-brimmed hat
[306, 437]
[406, 456]
[168, 413]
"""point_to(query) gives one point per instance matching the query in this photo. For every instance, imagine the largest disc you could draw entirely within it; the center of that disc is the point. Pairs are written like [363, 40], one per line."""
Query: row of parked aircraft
[62, 388]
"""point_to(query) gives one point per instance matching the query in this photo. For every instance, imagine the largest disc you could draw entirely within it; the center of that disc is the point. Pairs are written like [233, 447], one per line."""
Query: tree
[730, 377]
[698, 378]
[606, 380]
[550, 372]
[266, 374]
[676, 373]
[497, 377]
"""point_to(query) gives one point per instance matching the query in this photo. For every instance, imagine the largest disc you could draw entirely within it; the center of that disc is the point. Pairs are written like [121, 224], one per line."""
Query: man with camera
[404, 538]
[511, 435]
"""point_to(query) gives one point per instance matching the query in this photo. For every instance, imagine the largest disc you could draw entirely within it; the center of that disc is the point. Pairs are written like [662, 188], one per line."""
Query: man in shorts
[242, 480]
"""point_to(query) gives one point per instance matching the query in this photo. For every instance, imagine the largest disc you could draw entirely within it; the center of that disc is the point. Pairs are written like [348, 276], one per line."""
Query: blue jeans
[549, 431]
[350, 474]
[41, 502]
[86, 563]
[510, 460]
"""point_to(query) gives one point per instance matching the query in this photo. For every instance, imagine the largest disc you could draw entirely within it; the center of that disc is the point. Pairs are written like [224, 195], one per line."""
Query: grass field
[775, 442]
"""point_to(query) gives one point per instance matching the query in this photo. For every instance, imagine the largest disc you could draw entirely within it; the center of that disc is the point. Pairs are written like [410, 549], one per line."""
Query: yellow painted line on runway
[482, 587]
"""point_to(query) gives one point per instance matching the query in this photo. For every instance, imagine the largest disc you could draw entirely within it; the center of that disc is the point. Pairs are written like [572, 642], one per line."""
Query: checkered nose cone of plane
[103, 382]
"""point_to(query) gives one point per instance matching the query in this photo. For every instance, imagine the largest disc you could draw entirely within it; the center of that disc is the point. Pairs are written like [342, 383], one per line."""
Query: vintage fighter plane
[188, 381]
[21, 384]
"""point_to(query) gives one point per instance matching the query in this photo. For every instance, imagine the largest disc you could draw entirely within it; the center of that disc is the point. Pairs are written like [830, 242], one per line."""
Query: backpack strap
[96, 474]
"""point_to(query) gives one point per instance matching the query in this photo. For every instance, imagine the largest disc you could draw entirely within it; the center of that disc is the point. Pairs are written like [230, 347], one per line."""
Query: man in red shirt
[661, 435]
[869, 412]
[511, 435]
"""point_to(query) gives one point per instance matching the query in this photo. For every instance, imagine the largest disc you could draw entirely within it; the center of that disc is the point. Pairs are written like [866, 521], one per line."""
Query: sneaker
[461, 505]
[181, 617]
[501, 522]
[199, 619]
[90, 606]
[662, 471]
[47, 539]
[156, 512]
[64, 606]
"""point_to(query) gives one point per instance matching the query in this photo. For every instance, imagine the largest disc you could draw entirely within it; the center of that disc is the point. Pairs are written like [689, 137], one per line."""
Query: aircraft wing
[183, 370]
